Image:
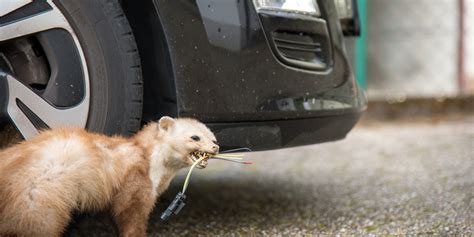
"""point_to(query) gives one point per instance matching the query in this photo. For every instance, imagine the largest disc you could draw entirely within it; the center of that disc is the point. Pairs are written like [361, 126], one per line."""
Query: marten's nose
[215, 148]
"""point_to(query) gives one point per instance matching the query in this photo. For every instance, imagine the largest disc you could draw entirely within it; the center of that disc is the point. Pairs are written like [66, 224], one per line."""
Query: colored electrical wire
[243, 149]
[185, 185]
[221, 156]
[230, 155]
[178, 202]
[236, 161]
[227, 157]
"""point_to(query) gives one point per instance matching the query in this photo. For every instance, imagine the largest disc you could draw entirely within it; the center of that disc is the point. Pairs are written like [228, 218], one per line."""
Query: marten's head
[187, 139]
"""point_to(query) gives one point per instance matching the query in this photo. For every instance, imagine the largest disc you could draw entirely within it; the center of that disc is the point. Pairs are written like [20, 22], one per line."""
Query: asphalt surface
[408, 178]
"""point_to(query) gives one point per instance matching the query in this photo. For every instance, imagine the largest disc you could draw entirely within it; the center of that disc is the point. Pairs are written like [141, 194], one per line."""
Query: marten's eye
[196, 138]
[215, 142]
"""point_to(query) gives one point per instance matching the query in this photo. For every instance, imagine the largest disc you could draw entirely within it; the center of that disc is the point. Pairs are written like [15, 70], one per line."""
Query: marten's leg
[133, 204]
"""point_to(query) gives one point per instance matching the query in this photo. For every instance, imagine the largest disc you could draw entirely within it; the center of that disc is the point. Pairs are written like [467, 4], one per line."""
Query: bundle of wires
[228, 155]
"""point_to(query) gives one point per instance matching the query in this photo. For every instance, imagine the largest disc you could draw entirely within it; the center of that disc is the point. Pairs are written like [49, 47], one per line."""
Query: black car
[262, 74]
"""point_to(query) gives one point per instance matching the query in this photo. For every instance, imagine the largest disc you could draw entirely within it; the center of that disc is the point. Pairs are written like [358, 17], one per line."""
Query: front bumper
[277, 134]
[235, 69]
[227, 67]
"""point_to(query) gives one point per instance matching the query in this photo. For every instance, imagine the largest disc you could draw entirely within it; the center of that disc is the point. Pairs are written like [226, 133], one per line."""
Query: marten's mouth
[196, 155]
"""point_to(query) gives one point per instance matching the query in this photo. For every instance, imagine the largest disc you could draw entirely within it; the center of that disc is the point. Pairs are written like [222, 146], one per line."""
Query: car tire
[113, 61]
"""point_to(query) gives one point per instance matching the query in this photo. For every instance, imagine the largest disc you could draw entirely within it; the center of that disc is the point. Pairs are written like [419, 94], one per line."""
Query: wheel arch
[157, 67]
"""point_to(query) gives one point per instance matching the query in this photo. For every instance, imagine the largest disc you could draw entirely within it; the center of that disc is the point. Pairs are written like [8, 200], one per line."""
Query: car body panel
[226, 73]
[225, 69]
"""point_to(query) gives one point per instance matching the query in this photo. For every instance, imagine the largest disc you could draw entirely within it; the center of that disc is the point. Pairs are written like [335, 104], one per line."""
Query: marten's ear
[166, 122]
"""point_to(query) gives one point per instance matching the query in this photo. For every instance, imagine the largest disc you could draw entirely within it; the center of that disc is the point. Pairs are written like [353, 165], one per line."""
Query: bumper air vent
[299, 42]
[302, 50]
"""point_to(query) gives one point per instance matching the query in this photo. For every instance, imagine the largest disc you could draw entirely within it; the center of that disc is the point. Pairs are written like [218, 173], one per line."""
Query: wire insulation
[243, 149]
[230, 155]
[236, 161]
[226, 157]
[186, 181]
[221, 156]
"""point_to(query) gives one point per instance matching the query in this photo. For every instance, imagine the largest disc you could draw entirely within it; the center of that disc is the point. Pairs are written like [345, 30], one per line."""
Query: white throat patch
[157, 171]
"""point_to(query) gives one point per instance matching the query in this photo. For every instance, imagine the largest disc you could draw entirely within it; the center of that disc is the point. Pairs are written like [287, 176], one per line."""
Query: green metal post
[361, 46]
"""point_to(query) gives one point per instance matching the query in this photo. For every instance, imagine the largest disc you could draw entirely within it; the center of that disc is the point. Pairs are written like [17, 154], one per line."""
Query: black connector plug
[175, 207]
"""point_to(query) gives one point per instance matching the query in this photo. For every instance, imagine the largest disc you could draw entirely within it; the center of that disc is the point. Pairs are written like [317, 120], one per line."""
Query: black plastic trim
[299, 42]
[351, 27]
[296, 42]
[292, 47]
[267, 135]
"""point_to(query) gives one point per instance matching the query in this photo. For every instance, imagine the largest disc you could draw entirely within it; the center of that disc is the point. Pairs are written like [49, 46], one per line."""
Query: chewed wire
[228, 157]
[231, 160]
[186, 181]
[236, 158]
[242, 149]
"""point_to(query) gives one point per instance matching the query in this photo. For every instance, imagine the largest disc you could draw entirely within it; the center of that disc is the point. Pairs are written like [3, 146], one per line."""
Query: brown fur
[44, 179]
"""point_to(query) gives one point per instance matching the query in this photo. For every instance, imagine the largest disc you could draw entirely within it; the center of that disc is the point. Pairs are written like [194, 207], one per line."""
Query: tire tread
[127, 44]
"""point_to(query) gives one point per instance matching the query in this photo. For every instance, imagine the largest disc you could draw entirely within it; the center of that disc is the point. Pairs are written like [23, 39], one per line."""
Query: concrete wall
[412, 48]
[469, 45]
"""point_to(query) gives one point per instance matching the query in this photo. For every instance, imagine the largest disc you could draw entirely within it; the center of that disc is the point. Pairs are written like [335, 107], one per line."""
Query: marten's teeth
[200, 154]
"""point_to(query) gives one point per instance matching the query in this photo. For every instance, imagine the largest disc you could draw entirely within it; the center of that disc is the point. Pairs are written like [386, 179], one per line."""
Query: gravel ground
[382, 180]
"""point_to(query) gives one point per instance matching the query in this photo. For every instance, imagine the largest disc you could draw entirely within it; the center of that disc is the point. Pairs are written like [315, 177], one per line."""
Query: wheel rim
[31, 110]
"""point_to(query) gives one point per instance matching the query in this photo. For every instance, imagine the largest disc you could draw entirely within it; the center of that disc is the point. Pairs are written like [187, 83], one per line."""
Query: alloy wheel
[40, 93]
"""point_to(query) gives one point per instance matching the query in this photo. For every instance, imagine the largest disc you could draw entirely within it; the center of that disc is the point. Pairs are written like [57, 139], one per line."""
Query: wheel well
[158, 78]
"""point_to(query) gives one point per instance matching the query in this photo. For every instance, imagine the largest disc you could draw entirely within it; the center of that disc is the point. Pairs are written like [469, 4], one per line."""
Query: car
[262, 74]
